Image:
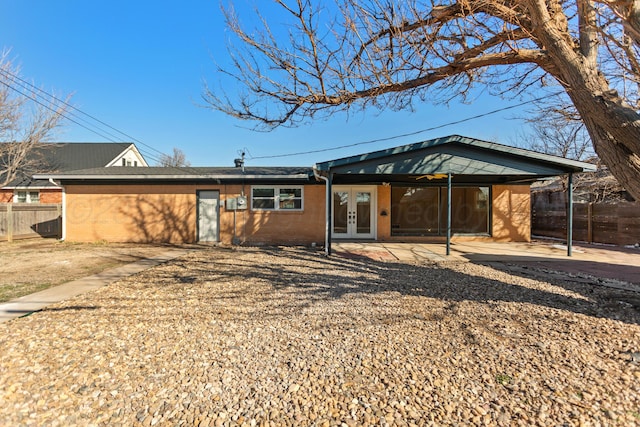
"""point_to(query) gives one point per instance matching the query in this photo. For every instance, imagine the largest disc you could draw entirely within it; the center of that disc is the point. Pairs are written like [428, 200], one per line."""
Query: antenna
[240, 162]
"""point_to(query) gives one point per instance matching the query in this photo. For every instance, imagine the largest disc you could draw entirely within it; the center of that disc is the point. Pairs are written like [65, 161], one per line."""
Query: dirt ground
[32, 265]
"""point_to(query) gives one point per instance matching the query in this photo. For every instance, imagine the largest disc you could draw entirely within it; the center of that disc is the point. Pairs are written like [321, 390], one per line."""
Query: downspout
[327, 243]
[63, 222]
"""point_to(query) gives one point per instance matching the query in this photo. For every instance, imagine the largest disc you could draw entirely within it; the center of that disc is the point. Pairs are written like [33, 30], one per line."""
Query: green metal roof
[457, 155]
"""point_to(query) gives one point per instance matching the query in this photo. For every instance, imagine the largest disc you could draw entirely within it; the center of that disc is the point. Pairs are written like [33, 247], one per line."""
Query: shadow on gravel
[70, 308]
[336, 277]
[567, 269]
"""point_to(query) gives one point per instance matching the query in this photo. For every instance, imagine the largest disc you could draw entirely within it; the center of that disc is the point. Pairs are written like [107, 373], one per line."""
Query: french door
[353, 212]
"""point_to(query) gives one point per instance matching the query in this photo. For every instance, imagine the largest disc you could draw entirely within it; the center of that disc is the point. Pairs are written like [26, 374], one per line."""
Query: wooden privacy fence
[24, 220]
[610, 223]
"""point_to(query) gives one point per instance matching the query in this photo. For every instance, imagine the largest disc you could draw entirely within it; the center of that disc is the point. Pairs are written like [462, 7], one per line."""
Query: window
[26, 197]
[276, 198]
[422, 211]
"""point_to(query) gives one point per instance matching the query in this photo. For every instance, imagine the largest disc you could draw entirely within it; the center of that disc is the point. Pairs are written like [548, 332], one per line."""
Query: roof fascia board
[171, 177]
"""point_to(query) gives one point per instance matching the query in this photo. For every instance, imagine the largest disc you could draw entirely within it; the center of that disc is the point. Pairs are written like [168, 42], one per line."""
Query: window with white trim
[277, 198]
[26, 197]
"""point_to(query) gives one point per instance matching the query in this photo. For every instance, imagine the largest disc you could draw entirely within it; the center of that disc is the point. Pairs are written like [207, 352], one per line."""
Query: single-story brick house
[397, 194]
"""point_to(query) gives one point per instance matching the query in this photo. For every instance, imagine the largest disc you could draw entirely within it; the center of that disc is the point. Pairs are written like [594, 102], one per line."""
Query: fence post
[59, 212]
[570, 214]
[9, 222]
[590, 222]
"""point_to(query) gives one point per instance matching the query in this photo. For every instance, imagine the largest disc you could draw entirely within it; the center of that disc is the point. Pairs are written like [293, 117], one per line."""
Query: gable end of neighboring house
[130, 156]
[61, 157]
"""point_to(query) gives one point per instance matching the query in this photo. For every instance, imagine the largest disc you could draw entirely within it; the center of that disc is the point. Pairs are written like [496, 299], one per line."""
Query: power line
[322, 150]
[77, 122]
[15, 77]
[101, 132]
[76, 119]
[55, 111]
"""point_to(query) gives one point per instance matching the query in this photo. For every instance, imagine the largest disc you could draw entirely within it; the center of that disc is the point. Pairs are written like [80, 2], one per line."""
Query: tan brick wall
[384, 205]
[167, 213]
[131, 213]
[276, 227]
[511, 218]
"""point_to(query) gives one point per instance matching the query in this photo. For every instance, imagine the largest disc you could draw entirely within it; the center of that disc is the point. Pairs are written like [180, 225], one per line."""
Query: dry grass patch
[30, 266]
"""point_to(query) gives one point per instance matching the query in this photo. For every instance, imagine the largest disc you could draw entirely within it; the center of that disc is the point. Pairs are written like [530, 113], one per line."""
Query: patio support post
[449, 214]
[569, 213]
[328, 197]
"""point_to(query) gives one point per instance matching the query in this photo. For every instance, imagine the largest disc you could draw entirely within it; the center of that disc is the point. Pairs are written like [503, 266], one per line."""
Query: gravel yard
[288, 337]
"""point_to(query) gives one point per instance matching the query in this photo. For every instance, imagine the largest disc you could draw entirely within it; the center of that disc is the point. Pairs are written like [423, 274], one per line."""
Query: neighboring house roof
[460, 156]
[187, 173]
[66, 156]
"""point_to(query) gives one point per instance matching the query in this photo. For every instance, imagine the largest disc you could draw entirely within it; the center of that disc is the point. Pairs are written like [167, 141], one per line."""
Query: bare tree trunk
[614, 151]
[613, 125]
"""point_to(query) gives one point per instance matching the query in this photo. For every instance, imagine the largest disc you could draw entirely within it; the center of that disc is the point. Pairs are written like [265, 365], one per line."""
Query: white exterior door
[208, 208]
[353, 212]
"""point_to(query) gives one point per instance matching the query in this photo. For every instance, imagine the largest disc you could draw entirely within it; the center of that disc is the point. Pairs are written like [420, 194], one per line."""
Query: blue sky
[140, 65]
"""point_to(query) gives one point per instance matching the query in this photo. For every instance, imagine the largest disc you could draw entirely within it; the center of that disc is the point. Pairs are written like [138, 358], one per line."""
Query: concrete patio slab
[37, 301]
[606, 262]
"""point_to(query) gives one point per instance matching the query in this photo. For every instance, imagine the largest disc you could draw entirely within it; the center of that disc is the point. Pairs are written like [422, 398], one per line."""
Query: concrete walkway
[39, 300]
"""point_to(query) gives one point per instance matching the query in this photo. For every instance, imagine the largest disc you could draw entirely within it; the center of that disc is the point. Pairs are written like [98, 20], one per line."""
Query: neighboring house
[61, 157]
[398, 194]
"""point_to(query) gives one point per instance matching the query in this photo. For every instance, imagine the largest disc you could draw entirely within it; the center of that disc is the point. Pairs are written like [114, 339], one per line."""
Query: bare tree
[349, 54]
[177, 159]
[555, 128]
[25, 122]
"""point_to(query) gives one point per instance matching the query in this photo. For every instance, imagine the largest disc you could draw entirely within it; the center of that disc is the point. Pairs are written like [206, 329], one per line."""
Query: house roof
[275, 173]
[467, 159]
[67, 156]
[81, 155]
[461, 156]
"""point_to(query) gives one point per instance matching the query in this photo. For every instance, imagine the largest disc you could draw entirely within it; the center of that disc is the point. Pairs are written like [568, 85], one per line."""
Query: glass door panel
[363, 213]
[340, 212]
